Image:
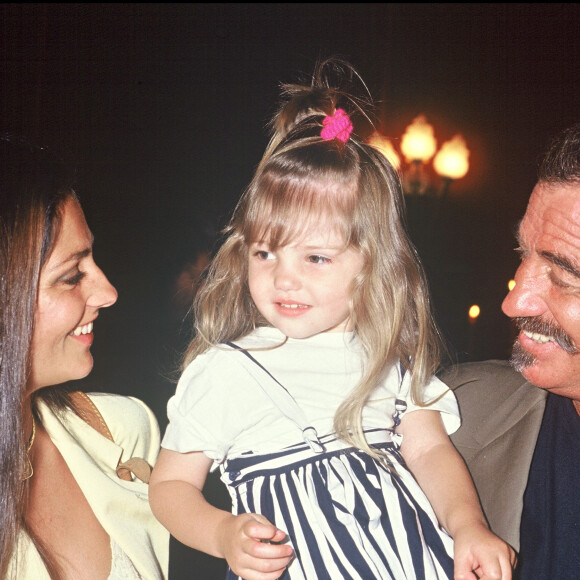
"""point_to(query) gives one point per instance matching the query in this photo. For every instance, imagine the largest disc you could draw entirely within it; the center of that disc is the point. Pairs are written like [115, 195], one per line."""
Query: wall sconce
[418, 146]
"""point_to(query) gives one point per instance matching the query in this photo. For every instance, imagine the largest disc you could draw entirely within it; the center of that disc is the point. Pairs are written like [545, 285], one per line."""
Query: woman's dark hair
[33, 188]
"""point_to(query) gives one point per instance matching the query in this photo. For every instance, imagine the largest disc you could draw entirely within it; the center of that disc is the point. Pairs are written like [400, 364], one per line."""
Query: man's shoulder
[496, 377]
[492, 397]
[501, 414]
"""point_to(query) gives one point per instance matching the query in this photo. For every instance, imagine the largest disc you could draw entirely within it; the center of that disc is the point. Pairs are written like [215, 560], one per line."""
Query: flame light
[419, 143]
[418, 147]
[452, 159]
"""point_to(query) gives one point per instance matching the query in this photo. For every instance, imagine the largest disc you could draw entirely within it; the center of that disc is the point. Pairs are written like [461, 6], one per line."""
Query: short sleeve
[438, 397]
[204, 413]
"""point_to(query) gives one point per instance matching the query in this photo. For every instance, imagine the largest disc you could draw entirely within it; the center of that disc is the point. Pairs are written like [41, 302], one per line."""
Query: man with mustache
[522, 443]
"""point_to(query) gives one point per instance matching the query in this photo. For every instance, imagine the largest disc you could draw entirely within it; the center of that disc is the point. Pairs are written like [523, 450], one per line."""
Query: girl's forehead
[309, 231]
[317, 237]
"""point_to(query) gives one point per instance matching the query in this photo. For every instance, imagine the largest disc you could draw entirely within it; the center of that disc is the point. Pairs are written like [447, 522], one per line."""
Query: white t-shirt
[221, 408]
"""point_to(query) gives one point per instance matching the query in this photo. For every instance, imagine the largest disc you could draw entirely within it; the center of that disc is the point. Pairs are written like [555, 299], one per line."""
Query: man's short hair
[561, 161]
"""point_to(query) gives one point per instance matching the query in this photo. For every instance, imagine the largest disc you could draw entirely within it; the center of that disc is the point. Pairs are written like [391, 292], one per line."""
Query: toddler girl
[310, 378]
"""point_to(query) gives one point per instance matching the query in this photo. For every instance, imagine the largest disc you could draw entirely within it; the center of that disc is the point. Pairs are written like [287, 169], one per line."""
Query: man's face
[546, 299]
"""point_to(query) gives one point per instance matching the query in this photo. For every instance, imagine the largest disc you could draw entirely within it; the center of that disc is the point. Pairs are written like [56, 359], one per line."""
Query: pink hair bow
[337, 126]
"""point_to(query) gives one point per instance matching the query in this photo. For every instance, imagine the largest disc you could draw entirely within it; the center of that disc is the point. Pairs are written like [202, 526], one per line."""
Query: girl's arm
[443, 476]
[175, 494]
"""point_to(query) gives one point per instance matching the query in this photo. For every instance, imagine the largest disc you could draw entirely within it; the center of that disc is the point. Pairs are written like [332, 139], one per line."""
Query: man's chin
[521, 359]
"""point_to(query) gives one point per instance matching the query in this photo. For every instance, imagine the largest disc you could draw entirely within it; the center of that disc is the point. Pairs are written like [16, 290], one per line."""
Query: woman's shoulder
[127, 418]
[114, 405]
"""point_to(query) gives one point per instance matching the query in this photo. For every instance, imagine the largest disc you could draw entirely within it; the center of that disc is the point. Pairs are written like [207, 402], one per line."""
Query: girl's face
[72, 289]
[303, 288]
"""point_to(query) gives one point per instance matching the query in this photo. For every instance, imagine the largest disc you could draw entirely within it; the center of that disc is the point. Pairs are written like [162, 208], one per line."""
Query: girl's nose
[286, 276]
[102, 292]
[528, 296]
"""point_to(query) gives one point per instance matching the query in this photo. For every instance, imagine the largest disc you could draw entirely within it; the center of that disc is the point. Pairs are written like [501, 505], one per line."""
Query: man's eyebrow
[73, 258]
[562, 262]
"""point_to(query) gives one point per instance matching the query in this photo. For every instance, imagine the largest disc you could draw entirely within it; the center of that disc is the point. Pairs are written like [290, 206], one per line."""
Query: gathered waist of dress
[250, 464]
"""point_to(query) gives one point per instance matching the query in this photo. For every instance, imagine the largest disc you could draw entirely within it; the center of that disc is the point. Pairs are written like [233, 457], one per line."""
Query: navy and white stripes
[346, 515]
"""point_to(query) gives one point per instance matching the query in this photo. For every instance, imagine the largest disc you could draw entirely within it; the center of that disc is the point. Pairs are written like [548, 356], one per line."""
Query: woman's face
[72, 289]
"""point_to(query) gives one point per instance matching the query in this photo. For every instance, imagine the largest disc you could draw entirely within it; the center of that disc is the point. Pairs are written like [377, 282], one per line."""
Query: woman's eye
[318, 259]
[75, 279]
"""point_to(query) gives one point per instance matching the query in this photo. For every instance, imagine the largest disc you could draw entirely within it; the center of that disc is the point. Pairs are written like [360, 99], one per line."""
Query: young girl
[310, 379]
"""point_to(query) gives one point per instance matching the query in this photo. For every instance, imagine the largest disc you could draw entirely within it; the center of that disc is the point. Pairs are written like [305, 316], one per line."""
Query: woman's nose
[528, 296]
[102, 292]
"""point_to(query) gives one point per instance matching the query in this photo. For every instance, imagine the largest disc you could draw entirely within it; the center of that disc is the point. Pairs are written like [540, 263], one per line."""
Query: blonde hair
[301, 180]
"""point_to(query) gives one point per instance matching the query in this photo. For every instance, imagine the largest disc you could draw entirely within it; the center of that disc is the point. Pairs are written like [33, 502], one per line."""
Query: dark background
[162, 110]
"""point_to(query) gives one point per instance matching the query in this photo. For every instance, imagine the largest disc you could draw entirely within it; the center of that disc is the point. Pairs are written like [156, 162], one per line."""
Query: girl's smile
[291, 309]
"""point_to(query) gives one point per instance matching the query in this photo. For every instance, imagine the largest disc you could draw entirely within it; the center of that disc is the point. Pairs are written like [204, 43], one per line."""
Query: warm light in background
[452, 159]
[511, 285]
[418, 142]
[474, 312]
[416, 149]
[384, 145]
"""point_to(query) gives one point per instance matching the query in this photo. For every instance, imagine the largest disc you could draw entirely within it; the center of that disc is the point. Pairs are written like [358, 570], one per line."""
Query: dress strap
[286, 403]
[400, 404]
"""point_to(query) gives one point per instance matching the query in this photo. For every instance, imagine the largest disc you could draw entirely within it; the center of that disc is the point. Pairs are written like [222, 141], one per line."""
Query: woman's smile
[72, 289]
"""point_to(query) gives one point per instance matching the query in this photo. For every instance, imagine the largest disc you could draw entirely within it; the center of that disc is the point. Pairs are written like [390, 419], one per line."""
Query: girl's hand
[481, 554]
[252, 549]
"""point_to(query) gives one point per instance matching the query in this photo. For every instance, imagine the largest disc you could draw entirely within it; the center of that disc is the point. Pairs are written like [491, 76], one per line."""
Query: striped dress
[346, 515]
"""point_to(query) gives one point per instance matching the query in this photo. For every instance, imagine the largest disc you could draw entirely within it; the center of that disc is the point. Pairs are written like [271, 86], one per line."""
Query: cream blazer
[501, 415]
[122, 507]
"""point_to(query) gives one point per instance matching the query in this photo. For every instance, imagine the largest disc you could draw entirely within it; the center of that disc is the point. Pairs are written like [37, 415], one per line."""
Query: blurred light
[384, 145]
[474, 312]
[418, 145]
[452, 159]
[511, 285]
[418, 142]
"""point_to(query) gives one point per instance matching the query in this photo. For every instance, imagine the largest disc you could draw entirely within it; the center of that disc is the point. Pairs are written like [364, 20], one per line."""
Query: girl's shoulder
[220, 362]
[262, 338]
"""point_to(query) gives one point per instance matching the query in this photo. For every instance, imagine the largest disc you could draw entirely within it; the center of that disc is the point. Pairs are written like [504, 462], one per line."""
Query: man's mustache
[536, 324]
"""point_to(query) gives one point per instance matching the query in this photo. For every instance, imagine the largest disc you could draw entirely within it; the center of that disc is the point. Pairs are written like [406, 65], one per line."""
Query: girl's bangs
[283, 210]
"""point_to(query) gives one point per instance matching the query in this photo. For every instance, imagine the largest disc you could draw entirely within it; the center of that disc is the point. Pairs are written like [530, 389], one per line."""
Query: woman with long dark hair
[73, 466]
